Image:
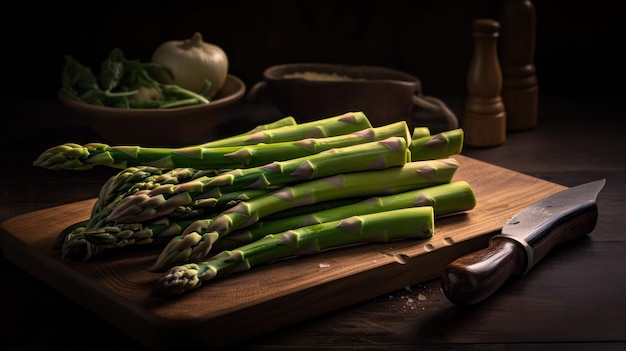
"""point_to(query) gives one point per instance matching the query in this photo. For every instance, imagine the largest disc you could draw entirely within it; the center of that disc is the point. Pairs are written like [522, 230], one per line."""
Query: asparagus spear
[445, 199]
[419, 132]
[382, 154]
[336, 125]
[214, 204]
[416, 222]
[72, 156]
[121, 235]
[196, 241]
[235, 140]
[444, 144]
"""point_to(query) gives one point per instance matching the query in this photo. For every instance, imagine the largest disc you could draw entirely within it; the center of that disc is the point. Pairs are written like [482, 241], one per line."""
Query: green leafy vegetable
[124, 83]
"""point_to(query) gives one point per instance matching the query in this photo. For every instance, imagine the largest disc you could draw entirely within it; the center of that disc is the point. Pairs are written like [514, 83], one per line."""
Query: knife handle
[474, 277]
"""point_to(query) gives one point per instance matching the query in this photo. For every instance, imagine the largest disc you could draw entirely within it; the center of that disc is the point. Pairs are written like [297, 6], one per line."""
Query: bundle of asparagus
[196, 242]
[279, 190]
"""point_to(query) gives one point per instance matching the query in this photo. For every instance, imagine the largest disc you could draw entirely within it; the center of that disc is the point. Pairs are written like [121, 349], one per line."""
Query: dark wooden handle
[474, 277]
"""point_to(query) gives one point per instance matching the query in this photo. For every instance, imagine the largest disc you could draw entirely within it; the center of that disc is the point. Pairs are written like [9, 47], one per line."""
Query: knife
[523, 241]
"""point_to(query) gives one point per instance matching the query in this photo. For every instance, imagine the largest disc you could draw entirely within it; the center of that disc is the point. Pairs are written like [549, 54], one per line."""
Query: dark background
[574, 295]
[579, 44]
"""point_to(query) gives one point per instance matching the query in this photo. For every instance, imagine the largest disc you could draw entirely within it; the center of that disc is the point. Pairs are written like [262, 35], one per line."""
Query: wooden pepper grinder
[517, 53]
[485, 117]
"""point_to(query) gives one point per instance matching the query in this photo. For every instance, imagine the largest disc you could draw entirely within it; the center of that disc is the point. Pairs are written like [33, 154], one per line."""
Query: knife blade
[524, 240]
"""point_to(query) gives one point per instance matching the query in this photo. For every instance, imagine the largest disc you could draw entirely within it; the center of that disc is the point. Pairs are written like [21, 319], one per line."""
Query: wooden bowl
[158, 127]
[385, 95]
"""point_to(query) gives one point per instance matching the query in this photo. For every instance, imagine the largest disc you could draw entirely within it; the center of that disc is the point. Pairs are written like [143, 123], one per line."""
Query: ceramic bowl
[158, 127]
[309, 91]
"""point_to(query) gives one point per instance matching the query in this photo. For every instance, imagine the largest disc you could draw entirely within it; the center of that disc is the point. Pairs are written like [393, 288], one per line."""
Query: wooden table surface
[574, 299]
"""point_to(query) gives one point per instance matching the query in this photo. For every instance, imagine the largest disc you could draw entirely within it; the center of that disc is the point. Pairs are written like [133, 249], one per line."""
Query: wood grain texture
[118, 288]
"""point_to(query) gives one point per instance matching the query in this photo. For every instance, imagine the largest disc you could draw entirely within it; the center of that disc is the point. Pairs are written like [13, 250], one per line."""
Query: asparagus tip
[177, 280]
[177, 250]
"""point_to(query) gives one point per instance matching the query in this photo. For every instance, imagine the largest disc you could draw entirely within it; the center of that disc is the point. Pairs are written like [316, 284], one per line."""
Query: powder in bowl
[310, 75]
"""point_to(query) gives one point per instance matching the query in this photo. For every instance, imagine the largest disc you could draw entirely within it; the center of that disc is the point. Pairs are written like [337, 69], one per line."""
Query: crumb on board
[418, 297]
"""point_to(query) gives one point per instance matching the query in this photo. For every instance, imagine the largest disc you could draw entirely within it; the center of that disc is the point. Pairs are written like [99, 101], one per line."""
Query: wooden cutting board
[266, 298]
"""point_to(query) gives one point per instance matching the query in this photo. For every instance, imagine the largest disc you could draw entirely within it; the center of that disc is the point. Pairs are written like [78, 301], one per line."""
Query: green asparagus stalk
[336, 125]
[415, 222]
[441, 145]
[314, 207]
[419, 132]
[120, 235]
[150, 204]
[216, 203]
[197, 240]
[235, 140]
[445, 199]
[70, 156]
